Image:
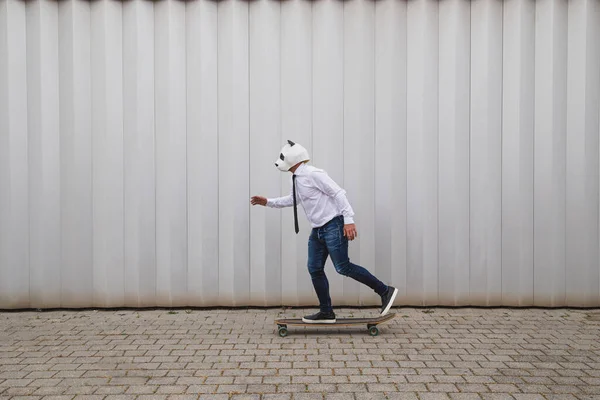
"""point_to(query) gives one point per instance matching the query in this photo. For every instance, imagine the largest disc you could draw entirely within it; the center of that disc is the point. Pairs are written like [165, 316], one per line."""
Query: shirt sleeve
[281, 202]
[328, 186]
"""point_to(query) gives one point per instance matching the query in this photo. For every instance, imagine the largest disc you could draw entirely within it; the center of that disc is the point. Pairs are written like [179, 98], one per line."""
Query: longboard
[371, 323]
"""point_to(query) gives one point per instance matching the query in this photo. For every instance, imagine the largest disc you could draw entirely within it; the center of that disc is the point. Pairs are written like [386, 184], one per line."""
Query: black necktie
[295, 208]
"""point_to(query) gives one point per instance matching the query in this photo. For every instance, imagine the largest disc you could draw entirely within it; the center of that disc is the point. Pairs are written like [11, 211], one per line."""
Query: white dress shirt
[319, 195]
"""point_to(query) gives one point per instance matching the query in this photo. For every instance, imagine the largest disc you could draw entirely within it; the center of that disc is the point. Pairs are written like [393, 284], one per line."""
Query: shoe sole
[390, 303]
[318, 321]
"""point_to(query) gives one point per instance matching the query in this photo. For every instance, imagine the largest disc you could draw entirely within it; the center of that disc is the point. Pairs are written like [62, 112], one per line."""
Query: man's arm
[277, 202]
[328, 186]
[274, 202]
[281, 202]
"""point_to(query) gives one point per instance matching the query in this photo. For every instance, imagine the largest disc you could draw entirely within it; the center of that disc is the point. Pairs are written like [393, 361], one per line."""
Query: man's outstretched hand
[350, 231]
[258, 200]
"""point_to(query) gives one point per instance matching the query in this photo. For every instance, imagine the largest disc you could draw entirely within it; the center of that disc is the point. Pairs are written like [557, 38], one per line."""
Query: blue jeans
[329, 240]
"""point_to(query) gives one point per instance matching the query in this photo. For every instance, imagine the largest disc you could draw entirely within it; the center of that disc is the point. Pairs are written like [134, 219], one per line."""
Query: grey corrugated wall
[132, 135]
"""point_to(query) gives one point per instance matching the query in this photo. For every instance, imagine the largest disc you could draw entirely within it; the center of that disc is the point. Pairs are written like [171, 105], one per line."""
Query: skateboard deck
[371, 323]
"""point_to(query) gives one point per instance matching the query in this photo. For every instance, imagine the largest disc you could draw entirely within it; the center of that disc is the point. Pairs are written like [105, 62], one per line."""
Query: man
[331, 216]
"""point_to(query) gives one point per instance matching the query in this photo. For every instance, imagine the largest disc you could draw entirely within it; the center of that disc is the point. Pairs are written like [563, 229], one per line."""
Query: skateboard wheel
[283, 331]
[373, 331]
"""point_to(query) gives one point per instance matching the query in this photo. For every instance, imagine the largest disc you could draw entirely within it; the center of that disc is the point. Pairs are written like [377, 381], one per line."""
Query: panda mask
[291, 154]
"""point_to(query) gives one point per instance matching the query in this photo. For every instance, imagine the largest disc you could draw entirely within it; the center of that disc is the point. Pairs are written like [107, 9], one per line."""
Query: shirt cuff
[348, 220]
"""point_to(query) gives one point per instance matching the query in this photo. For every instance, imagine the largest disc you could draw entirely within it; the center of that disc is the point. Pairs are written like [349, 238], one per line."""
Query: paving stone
[449, 379]
[13, 374]
[278, 380]
[214, 397]
[248, 380]
[479, 379]
[50, 391]
[402, 396]
[111, 390]
[421, 378]
[232, 389]
[351, 387]
[261, 388]
[370, 396]
[276, 397]
[564, 389]
[20, 391]
[433, 396]
[595, 390]
[219, 380]
[339, 396]
[167, 389]
[465, 396]
[503, 388]
[381, 387]
[368, 379]
[321, 388]
[26, 397]
[442, 387]
[334, 379]
[531, 388]
[508, 379]
[81, 390]
[128, 381]
[16, 382]
[293, 388]
[305, 379]
[204, 389]
[148, 389]
[43, 375]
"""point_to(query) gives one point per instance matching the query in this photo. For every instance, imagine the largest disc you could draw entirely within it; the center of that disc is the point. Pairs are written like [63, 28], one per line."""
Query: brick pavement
[462, 354]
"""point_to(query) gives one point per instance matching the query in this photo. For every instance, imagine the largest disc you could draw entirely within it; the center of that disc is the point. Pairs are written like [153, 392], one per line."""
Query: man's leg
[337, 245]
[317, 256]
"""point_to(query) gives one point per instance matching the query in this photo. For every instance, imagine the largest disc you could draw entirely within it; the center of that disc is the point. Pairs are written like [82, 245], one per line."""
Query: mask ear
[291, 143]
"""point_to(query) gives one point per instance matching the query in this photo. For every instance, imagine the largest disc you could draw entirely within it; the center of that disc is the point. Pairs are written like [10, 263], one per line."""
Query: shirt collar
[300, 169]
